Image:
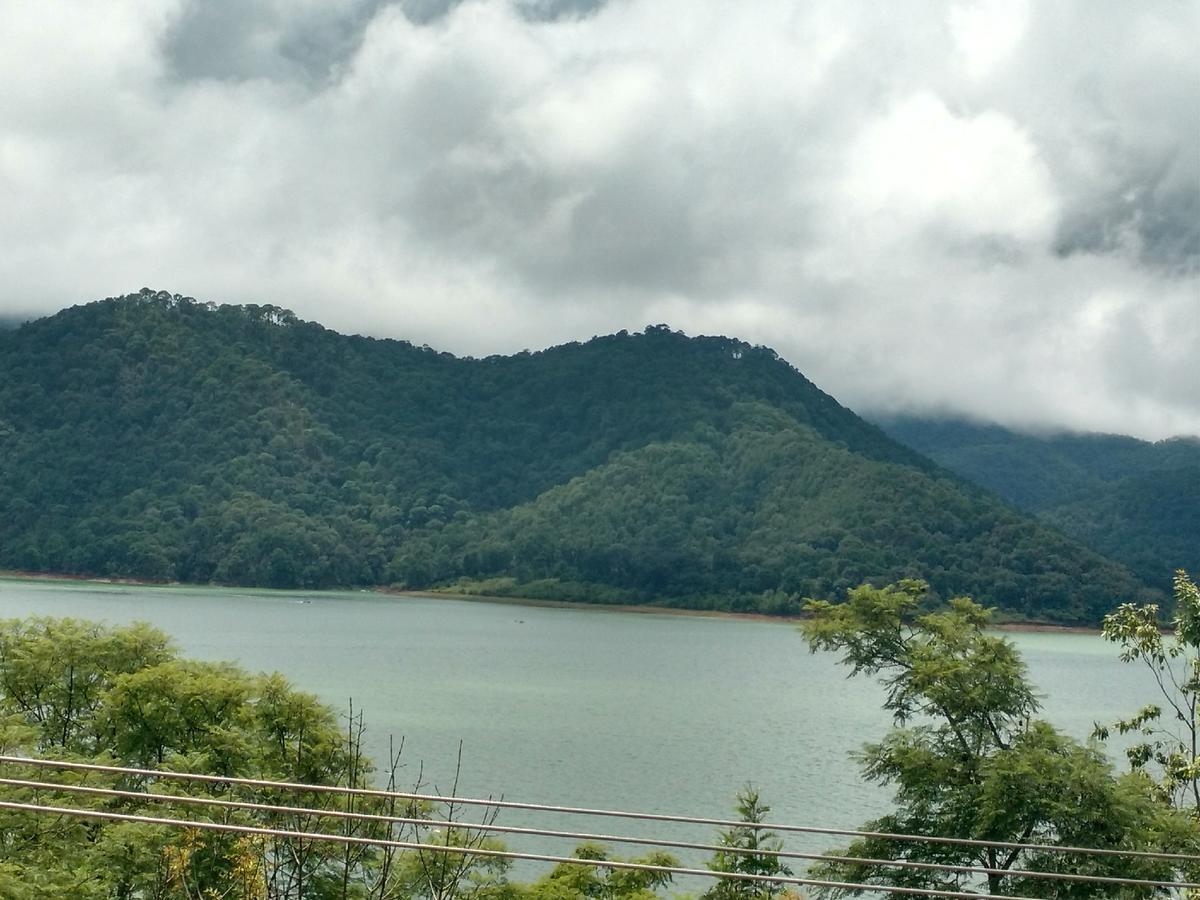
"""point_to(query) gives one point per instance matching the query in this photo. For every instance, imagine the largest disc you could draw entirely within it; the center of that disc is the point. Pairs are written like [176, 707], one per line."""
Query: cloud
[985, 32]
[919, 166]
[979, 207]
[279, 39]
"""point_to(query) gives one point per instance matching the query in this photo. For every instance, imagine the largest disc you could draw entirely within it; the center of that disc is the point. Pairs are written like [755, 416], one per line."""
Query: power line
[584, 836]
[487, 852]
[573, 810]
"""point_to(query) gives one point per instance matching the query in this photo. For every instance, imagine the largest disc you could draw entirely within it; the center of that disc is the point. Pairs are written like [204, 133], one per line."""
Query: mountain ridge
[1132, 500]
[244, 445]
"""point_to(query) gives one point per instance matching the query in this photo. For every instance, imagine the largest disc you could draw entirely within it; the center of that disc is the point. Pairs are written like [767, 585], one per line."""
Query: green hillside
[1134, 501]
[159, 437]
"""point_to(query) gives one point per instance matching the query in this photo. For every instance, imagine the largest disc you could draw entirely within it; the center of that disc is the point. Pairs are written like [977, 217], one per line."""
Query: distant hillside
[159, 437]
[1134, 501]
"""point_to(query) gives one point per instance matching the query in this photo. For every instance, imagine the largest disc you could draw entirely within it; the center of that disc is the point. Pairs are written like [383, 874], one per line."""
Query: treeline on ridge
[155, 436]
[1134, 501]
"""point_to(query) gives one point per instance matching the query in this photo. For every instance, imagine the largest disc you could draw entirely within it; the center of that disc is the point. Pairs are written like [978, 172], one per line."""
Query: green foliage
[54, 674]
[1133, 501]
[934, 665]
[157, 437]
[750, 519]
[442, 875]
[573, 882]
[1170, 746]
[968, 760]
[84, 691]
[121, 696]
[751, 851]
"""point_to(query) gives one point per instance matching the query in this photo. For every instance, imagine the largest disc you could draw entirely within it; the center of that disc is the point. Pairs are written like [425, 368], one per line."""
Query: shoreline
[637, 608]
[1045, 628]
[22, 575]
[645, 608]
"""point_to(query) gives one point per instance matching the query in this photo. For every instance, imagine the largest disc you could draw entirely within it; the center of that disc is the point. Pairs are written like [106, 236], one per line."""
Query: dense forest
[1133, 501]
[159, 437]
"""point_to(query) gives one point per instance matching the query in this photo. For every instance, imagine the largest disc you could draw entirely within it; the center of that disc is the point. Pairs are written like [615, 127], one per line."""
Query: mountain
[1134, 501]
[155, 436]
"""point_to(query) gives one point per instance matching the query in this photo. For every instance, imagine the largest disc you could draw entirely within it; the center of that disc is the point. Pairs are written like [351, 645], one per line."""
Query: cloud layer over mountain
[989, 207]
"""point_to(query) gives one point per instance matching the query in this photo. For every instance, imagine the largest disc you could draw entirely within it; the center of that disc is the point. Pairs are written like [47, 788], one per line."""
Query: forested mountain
[1134, 501]
[155, 436]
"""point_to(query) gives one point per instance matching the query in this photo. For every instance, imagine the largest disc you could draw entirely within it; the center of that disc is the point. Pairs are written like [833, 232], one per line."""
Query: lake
[581, 707]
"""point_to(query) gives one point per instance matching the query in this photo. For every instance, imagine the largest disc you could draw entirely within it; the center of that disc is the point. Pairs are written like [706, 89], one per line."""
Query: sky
[987, 208]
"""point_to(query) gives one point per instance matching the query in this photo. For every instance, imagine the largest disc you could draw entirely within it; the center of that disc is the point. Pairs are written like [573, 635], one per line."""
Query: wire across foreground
[612, 813]
[487, 852]
[249, 806]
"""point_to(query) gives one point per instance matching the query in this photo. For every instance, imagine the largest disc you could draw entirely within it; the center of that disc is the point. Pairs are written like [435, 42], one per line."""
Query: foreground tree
[573, 882]
[121, 696]
[967, 759]
[1171, 735]
[745, 854]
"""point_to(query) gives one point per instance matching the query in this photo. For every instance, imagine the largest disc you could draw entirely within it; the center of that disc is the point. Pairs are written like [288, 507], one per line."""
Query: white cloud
[985, 32]
[920, 166]
[975, 206]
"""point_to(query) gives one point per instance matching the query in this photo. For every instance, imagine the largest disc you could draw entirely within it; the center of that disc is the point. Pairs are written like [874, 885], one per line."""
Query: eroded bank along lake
[581, 707]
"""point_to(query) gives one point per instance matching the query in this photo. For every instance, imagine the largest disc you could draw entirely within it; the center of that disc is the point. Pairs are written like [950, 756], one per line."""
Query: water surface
[577, 706]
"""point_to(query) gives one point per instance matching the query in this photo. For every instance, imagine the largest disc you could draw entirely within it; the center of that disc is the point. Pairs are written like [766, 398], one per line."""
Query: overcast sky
[988, 207]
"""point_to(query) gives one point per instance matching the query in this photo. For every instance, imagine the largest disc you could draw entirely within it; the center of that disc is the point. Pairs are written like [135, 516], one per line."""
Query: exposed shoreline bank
[644, 608]
[639, 608]
[22, 575]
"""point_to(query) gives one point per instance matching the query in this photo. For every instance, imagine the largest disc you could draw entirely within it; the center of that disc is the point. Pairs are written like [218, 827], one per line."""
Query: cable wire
[585, 836]
[574, 810]
[486, 852]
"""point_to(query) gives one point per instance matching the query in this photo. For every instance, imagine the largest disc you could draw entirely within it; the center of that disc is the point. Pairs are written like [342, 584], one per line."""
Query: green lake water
[581, 707]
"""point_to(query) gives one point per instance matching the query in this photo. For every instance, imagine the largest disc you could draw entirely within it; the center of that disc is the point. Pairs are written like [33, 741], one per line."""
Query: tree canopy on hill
[1133, 501]
[160, 437]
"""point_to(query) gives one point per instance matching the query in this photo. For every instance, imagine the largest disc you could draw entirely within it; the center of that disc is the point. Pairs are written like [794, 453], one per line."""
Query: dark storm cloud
[425, 11]
[986, 206]
[283, 39]
[1157, 208]
[553, 10]
[1128, 152]
[236, 40]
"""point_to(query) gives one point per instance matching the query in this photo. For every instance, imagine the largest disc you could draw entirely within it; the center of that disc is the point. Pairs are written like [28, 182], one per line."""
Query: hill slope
[1134, 501]
[155, 436]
